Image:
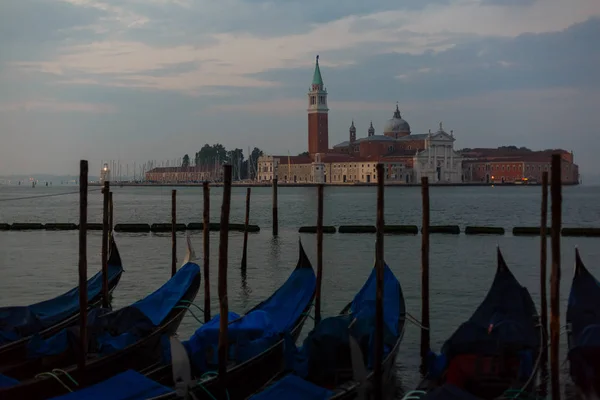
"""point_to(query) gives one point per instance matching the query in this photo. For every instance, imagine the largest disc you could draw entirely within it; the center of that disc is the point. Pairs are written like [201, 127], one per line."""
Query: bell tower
[318, 129]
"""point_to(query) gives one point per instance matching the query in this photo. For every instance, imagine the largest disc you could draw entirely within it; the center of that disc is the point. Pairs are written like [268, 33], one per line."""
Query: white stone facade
[438, 162]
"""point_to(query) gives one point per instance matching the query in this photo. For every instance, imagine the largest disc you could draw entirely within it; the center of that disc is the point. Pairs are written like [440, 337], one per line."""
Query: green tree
[254, 155]
[186, 161]
[306, 153]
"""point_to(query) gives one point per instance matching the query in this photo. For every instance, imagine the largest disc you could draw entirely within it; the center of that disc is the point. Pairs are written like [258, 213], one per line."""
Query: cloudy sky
[154, 79]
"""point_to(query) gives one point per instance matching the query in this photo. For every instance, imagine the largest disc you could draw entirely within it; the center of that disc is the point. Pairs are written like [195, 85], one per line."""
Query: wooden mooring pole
[111, 212]
[106, 194]
[223, 301]
[173, 232]
[275, 220]
[543, 259]
[319, 253]
[206, 249]
[556, 193]
[379, 265]
[425, 338]
[83, 297]
[247, 222]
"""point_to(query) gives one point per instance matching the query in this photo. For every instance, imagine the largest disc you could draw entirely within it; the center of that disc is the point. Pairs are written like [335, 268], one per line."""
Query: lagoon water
[38, 265]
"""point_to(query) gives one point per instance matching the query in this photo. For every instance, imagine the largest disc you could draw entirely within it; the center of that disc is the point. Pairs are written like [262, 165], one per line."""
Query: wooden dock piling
[83, 297]
[111, 212]
[543, 257]
[206, 248]
[319, 253]
[275, 217]
[246, 224]
[106, 194]
[556, 193]
[379, 265]
[173, 232]
[425, 338]
[223, 301]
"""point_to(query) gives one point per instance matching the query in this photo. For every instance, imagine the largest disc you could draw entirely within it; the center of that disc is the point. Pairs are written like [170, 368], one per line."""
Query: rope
[206, 374]
[415, 322]
[58, 370]
[50, 374]
[191, 313]
[414, 395]
[45, 195]
[193, 304]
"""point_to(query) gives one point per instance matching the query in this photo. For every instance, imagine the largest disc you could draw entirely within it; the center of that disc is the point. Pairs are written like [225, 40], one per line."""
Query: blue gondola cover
[19, 322]
[256, 331]
[112, 331]
[292, 387]
[129, 385]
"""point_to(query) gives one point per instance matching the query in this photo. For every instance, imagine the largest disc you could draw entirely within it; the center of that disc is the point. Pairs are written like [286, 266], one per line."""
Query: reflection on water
[39, 265]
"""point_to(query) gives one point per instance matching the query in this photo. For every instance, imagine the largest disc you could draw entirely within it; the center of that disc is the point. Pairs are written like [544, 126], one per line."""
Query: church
[406, 156]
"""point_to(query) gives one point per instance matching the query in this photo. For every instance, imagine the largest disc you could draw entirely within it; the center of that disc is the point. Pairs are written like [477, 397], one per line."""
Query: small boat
[44, 319]
[257, 341]
[497, 351]
[583, 322]
[336, 359]
[129, 338]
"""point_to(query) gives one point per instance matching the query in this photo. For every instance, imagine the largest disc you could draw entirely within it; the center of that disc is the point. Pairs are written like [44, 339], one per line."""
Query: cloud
[230, 59]
[56, 106]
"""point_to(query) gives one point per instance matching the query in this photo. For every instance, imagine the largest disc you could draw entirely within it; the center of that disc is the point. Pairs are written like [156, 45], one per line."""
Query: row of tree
[217, 154]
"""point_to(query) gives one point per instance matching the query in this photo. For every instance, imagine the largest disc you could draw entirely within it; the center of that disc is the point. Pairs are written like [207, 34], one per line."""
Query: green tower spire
[317, 79]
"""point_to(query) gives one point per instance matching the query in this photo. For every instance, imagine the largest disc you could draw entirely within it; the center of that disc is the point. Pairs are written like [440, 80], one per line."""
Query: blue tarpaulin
[583, 311]
[292, 387]
[128, 385]
[19, 322]
[112, 331]
[327, 347]
[505, 320]
[258, 330]
[6, 381]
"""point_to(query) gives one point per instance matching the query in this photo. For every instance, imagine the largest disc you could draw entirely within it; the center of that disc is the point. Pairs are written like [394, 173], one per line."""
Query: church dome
[396, 124]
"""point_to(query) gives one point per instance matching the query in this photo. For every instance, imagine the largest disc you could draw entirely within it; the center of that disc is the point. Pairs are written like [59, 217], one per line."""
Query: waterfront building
[406, 156]
[184, 174]
[521, 165]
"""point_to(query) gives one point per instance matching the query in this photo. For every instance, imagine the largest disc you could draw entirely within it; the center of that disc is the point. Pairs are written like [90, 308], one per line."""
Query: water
[37, 265]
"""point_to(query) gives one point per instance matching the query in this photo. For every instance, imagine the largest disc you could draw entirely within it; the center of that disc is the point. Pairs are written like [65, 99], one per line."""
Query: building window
[312, 100]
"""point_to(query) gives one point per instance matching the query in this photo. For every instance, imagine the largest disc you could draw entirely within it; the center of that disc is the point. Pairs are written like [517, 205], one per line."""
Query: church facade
[406, 156]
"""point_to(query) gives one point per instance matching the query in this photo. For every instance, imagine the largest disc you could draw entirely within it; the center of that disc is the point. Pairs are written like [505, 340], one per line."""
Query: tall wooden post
[425, 339]
[173, 232]
[83, 297]
[543, 259]
[319, 253]
[206, 247]
[247, 222]
[223, 301]
[105, 193]
[378, 359]
[275, 220]
[556, 192]
[111, 211]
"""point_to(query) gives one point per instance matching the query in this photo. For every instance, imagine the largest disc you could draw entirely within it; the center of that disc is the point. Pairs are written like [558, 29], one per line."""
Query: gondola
[129, 338]
[583, 322]
[19, 324]
[335, 360]
[496, 352]
[257, 342]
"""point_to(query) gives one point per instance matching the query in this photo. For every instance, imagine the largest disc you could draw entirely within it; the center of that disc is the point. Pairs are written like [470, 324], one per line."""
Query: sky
[138, 80]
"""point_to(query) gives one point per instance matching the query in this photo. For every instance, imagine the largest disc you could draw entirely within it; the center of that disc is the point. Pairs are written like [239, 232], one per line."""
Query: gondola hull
[137, 356]
[16, 351]
[242, 379]
[494, 352]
